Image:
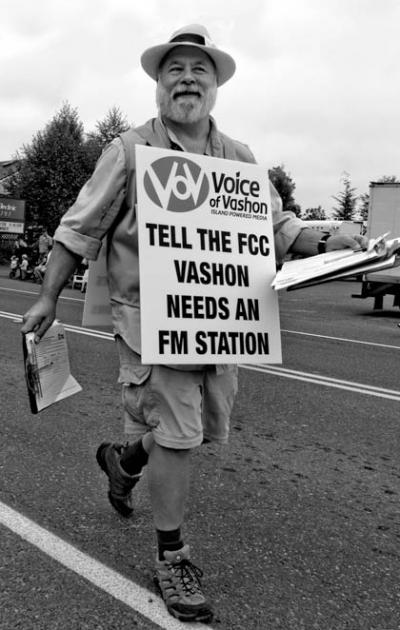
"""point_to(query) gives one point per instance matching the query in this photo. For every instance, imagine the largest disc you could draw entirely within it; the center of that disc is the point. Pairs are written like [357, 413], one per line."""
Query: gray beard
[184, 110]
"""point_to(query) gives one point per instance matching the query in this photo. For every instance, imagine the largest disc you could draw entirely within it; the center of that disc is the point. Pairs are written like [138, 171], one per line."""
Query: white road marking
[129, 593]
[363, 343]
[291, 332]
[360, 388]
[62, 297]
[90, 332]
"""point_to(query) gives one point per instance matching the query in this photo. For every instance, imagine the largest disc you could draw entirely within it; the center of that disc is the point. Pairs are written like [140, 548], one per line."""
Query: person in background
[168, 410]
[20, 247]
[14, 267]
[44, 243]
[40, 269]
[23, 267]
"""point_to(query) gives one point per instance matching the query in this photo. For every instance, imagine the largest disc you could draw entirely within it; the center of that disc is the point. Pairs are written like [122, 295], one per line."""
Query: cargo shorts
[180, 407]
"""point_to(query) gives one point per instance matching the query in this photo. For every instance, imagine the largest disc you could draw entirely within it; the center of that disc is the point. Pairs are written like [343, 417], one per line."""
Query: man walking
[168, 410]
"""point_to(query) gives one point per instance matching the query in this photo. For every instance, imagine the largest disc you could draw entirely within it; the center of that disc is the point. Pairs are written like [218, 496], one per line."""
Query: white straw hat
[193, 35]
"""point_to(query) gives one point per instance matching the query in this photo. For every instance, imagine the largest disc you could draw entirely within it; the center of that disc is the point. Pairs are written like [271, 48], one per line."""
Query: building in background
[7, 169]
[12, 211]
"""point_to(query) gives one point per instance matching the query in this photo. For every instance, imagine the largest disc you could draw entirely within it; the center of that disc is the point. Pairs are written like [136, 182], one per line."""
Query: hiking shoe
[178, 581]
[120, 483]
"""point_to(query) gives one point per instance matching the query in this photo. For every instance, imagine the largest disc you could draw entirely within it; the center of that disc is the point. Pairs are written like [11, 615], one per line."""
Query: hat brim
[224, 63]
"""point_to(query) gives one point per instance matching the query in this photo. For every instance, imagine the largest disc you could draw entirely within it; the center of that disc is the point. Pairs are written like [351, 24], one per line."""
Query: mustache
[186, 93]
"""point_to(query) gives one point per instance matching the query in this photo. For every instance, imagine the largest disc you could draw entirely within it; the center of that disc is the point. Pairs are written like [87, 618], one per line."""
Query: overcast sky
[316, 88]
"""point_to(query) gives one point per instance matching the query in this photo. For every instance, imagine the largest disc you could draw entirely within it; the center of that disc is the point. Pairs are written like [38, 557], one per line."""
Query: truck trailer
[383, 217]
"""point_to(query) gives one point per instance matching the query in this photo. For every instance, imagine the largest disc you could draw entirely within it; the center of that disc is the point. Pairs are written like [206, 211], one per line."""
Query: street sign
[12, 215]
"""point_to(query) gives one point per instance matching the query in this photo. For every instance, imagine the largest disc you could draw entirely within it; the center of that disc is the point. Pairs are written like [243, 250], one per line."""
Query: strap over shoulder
[129, 139]
[151, 133]
[235, 150]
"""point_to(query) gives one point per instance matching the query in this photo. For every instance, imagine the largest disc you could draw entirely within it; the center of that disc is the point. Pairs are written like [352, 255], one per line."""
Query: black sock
[133, 458]
[170, 540]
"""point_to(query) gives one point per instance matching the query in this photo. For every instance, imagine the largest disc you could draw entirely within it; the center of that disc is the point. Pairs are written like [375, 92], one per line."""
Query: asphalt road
[296, 524]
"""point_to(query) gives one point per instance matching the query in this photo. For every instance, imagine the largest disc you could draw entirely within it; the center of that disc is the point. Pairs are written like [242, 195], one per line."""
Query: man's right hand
[39, 317]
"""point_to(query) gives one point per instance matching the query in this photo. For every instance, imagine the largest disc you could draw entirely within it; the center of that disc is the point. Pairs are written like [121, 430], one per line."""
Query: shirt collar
[213, 146]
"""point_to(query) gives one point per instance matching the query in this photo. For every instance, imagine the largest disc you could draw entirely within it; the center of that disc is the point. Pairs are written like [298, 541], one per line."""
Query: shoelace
[189, 575]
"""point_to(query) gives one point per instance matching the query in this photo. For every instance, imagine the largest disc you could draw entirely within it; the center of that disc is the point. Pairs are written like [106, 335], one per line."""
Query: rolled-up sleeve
[84, 225]
[287, 226]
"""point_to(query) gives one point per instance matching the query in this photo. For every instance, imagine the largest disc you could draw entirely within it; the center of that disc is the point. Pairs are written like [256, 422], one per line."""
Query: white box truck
[383, 216]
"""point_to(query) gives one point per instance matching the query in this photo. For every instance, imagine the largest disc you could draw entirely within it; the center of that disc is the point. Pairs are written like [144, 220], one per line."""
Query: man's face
[187, 85]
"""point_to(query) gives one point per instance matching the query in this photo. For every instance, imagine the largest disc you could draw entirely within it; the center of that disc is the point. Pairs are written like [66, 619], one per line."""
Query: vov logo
[176, 184]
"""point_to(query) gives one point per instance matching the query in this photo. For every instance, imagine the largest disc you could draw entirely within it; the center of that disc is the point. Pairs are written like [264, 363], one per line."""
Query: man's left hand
[344, 241]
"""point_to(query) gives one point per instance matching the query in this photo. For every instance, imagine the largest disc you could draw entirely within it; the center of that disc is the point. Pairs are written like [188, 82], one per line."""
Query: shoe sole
[206, 616]
[118, 505]
[99, 457]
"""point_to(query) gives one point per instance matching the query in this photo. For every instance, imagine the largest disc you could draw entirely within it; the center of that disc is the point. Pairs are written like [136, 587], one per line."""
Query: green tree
[388, 179]
[363, 207]
[312, 214]
[111, 126]
[106, 130]
[53, 169]
[346, 199]
[285, 186]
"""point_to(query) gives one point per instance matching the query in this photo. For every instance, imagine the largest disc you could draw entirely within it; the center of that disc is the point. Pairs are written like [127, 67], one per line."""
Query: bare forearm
[306, 244]
[40, 316]
[61, 265]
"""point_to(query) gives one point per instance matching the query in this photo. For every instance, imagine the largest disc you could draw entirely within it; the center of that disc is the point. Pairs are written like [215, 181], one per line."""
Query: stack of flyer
[47, 369]
[306, 272]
